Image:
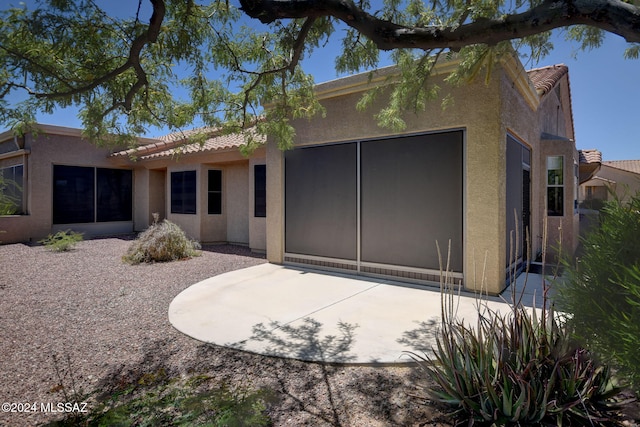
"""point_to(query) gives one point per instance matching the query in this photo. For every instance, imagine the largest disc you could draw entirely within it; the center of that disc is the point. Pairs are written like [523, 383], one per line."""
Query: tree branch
[613, 16]
[133, 61]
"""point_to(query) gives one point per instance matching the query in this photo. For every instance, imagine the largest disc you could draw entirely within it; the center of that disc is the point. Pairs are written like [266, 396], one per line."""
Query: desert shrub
[517, 368]
[62, 241]
[602, 289]
[161, 242]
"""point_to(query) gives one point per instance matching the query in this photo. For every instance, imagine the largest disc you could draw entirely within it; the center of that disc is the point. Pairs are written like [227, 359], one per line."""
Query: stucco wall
[623, 183]
[236, 186]
[140, 187]
[59, 146]
[476, 110]
[233, 224]
[156, 194]
[555, 118]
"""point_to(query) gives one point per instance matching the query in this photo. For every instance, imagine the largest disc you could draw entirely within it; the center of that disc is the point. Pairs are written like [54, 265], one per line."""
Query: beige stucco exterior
[53, 145]
[236, 224]
[610, 182]
[488, 112]
[507, 104]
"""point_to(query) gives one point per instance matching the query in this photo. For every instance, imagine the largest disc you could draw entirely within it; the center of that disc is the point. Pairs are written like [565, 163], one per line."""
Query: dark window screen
[114, 194]
[215, 192]
[73, 194]
[183, 192]
[411, 198]
[515, 186]
[320, 194]
[260, 190]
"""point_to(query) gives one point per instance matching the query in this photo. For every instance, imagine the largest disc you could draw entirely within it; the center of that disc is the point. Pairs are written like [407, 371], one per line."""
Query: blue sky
[604, 88]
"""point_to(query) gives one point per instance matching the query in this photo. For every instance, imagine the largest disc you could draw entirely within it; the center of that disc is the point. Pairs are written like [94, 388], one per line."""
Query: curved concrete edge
[312, 316]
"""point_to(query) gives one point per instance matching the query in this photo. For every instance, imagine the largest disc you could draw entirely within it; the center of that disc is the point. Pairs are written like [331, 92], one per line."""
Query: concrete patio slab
[317, 316]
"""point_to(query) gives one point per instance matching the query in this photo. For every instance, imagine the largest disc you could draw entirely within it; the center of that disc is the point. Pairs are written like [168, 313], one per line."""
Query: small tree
[601, 291]
[173, 63]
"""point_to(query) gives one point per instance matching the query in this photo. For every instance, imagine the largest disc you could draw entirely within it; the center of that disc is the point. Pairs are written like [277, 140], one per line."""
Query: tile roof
[545, 78]
[626, 165]
[177, 143]
[590, 156]
[184, 134]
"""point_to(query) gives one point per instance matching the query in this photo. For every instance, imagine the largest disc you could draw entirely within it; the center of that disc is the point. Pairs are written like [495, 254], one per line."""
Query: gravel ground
[102, 325]
[86, 321]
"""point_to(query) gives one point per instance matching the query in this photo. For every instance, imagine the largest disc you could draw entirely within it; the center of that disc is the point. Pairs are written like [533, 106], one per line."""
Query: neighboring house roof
[589, 164]
[602, 181]
[590, 156]
[545, 78]
[625, 165]
[177, 143]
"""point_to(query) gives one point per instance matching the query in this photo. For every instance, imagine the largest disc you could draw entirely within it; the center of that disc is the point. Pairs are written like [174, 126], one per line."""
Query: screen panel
[411, 198]
[514, 200]
[114, 195]
[321, 201]
[73, 194]
[260, 191]
[183, 192]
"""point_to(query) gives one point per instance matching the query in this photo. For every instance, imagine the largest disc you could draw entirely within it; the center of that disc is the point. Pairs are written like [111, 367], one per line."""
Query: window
[183, 192]
[113, 191]
[555, 186]
[11, 190]
[260, 190]
[215, 192]
[87, 194]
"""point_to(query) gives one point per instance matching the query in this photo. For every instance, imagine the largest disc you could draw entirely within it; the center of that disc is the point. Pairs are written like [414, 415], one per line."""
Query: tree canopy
[174, 63]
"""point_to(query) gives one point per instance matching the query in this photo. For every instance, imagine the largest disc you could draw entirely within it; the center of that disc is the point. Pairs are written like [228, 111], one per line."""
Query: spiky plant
[521, 367]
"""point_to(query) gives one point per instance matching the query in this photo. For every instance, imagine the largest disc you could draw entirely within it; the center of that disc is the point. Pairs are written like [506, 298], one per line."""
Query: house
[476, 179]
[614, 179]
[67, 183]
[471, 178]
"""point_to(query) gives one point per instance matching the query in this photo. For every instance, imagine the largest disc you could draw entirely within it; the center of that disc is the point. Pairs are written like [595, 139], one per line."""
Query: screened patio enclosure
[377, 207]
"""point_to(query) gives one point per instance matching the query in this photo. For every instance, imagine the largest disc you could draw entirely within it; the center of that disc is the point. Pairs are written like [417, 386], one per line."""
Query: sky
[605, 91]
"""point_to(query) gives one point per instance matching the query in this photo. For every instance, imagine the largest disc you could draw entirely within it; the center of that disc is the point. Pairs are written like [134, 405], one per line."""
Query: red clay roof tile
[545, 78]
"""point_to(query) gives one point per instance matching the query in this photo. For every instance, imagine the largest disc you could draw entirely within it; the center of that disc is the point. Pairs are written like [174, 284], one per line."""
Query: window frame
[555, 188]
[16, 191]
[183, 188]
[110, 183]
[214, 195]
[260, 191]
[92, 177]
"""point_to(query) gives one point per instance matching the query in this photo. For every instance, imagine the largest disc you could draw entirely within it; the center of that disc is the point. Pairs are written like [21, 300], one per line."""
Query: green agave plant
[518, 368]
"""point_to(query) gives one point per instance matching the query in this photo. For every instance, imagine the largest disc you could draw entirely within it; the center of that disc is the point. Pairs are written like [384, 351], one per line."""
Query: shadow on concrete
[304, 342]
[423, 338]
